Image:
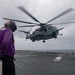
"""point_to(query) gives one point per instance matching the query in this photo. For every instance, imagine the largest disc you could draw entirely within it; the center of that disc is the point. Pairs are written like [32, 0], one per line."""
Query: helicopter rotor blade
[22, 31]
[63, 23]
[30, 29]
[29, 25]
[25, 11]
[19, 21]
[65, 12]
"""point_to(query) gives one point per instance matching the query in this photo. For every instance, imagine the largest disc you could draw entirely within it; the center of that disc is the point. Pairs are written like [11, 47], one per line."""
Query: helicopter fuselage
[44, 33]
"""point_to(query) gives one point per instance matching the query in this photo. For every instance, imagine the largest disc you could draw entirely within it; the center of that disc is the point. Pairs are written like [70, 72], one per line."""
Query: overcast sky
[43, 10]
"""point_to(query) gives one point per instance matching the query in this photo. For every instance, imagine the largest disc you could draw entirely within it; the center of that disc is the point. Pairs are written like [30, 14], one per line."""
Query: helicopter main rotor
[38, 22]
[63, 13]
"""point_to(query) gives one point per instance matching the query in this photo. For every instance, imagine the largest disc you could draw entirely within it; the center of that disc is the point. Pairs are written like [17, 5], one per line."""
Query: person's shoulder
[2, 28]
[7, 29]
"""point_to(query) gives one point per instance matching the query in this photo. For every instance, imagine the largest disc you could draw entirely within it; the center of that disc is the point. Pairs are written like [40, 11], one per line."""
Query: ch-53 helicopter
[45, 31]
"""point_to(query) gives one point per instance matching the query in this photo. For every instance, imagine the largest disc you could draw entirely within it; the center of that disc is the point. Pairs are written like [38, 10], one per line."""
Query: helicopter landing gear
[43, 41]
[33, 40]
[55, 36]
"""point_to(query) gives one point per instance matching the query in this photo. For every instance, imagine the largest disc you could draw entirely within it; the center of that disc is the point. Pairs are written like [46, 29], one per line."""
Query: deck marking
[58, 58]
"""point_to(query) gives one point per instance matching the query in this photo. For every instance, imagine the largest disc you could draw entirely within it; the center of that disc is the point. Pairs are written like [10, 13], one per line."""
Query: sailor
[7, 48]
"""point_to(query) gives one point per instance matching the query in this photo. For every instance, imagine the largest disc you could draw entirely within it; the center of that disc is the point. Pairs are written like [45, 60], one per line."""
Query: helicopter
[45, 31]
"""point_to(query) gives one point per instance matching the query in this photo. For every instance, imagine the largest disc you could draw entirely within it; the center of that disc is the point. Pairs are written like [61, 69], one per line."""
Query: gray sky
[43, 10]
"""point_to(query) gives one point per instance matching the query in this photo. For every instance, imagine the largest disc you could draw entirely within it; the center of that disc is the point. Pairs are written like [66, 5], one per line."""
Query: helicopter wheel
[55, 36]
[43, 41]
[33, 40]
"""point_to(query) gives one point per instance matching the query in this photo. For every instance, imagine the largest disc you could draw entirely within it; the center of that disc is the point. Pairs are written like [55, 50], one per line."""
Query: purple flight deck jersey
[6, 43]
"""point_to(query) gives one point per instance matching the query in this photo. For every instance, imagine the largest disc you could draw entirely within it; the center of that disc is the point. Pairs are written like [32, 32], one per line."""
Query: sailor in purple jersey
[6, 43]
[7, 48]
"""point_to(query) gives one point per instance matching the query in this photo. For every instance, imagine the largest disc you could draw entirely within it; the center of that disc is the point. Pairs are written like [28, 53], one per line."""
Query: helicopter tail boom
[26, 32]
[60, 29]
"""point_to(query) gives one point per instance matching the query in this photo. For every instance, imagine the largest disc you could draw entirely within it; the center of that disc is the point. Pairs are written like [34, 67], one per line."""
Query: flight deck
[45, 64]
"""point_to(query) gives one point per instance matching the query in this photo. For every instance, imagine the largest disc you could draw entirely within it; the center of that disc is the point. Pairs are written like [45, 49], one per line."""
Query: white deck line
[58, 58]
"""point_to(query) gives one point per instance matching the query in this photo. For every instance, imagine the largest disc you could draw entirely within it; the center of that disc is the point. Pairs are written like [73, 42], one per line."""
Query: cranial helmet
[11, 24]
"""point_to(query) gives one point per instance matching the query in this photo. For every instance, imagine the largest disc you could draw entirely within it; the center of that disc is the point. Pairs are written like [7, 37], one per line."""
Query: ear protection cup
[5, 25]
[12, 25]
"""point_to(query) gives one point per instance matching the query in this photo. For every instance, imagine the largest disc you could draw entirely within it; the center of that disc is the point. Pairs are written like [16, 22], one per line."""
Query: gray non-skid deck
[45, 65]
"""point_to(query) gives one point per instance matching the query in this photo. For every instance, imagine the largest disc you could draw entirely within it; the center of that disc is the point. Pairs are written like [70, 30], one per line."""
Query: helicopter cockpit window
[44, 29]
